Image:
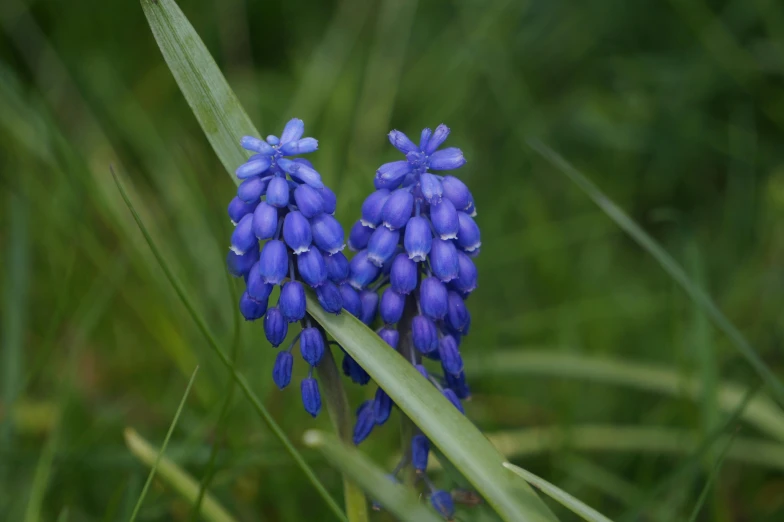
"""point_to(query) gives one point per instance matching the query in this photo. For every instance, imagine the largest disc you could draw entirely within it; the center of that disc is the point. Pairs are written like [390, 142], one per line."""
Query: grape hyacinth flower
[415, 243]
[283, 203]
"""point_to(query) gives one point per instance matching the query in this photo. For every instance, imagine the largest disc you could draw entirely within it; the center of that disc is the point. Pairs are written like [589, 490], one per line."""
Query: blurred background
[589, 366]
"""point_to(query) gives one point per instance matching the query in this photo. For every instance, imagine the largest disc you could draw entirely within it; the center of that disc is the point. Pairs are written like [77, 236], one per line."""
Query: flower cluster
[416, 239]
[283, 203]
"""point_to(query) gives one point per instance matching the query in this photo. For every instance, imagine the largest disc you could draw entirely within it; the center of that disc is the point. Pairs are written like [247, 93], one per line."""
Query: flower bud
[350, 299]
[439, 136]
[238, 209]
[397, 209]
[466, 274]
[442, 502]
[359, 236]
[275, 326]
[456, 192]
[390, 174]
[365, 422]
[468, 237]
[253, 167]
[369, 302]
[311, 398]
[292, 301]
[418, 239]
[433, 298]
[353, 370]
[450, 394]
[457, 314]
[250, 308]
[265, 221]
[242, 238]
[292, 131]
[256, 287]
[296, 232]
[451, 361]
[303, 146]
[281, 372]
[329, 297]
[458, 384]
[330, 200]
[382, 245]
[431, 188]
[444, 261]
[403, 275]
[420, 448]
[309, 201]
[392, 305]
[372, 208]
[327, 233]
[363, 272]
[447, 159]
[311, 345]
[401, 142]
[390, 336]
[274, 262]
[256, 145]
[337, 268]
[312, 268]
[240, 265]
[251, 189]
[424, 334]
[445, 220]
[278, 192]
[382, 406]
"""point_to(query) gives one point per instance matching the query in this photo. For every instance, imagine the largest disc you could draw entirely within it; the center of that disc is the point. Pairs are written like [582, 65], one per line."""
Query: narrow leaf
[397, 499]
[461, 442]
[157, 460]
[667, 262]
[176, 477]
[215, 105]
[562, 497]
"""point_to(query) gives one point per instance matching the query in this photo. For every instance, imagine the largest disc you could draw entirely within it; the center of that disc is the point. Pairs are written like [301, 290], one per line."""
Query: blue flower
[416, 234]
[285, 235]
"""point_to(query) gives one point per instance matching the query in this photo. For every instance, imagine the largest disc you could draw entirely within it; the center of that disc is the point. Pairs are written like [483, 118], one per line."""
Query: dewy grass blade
[157, 461]
[215, 105]
[667, 262]
[761, 411]
[559, 495]
[220, 114]
[394, 497]
[461, 442]
[176, 477]
[239, 379]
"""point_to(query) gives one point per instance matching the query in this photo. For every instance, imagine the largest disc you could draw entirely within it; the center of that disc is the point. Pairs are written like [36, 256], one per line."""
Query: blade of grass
[239, 379]
[562, 497]
[158, 457]
[666, 261]
[761, 411]
[711, 478]
[394, 497]
[613, 438]
[212, 101]
[461, 442]
[176, 477]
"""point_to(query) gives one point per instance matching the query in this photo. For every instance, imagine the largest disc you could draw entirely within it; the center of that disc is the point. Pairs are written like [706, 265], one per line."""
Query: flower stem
[406, 348]
[340, 415]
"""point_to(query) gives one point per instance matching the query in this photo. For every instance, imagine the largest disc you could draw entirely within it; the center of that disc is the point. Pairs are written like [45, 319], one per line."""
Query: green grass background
[675, 109]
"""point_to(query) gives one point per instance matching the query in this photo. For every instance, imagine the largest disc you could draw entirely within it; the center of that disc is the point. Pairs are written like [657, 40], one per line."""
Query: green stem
[406, 348]
[340, 414]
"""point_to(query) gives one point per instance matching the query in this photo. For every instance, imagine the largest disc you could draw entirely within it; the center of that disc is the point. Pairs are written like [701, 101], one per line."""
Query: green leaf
[212, 101]
[667, 262]
[559, 495]
[761, 411]
[176, 477]
[444, 425]
[158, 457]
[397, 499]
